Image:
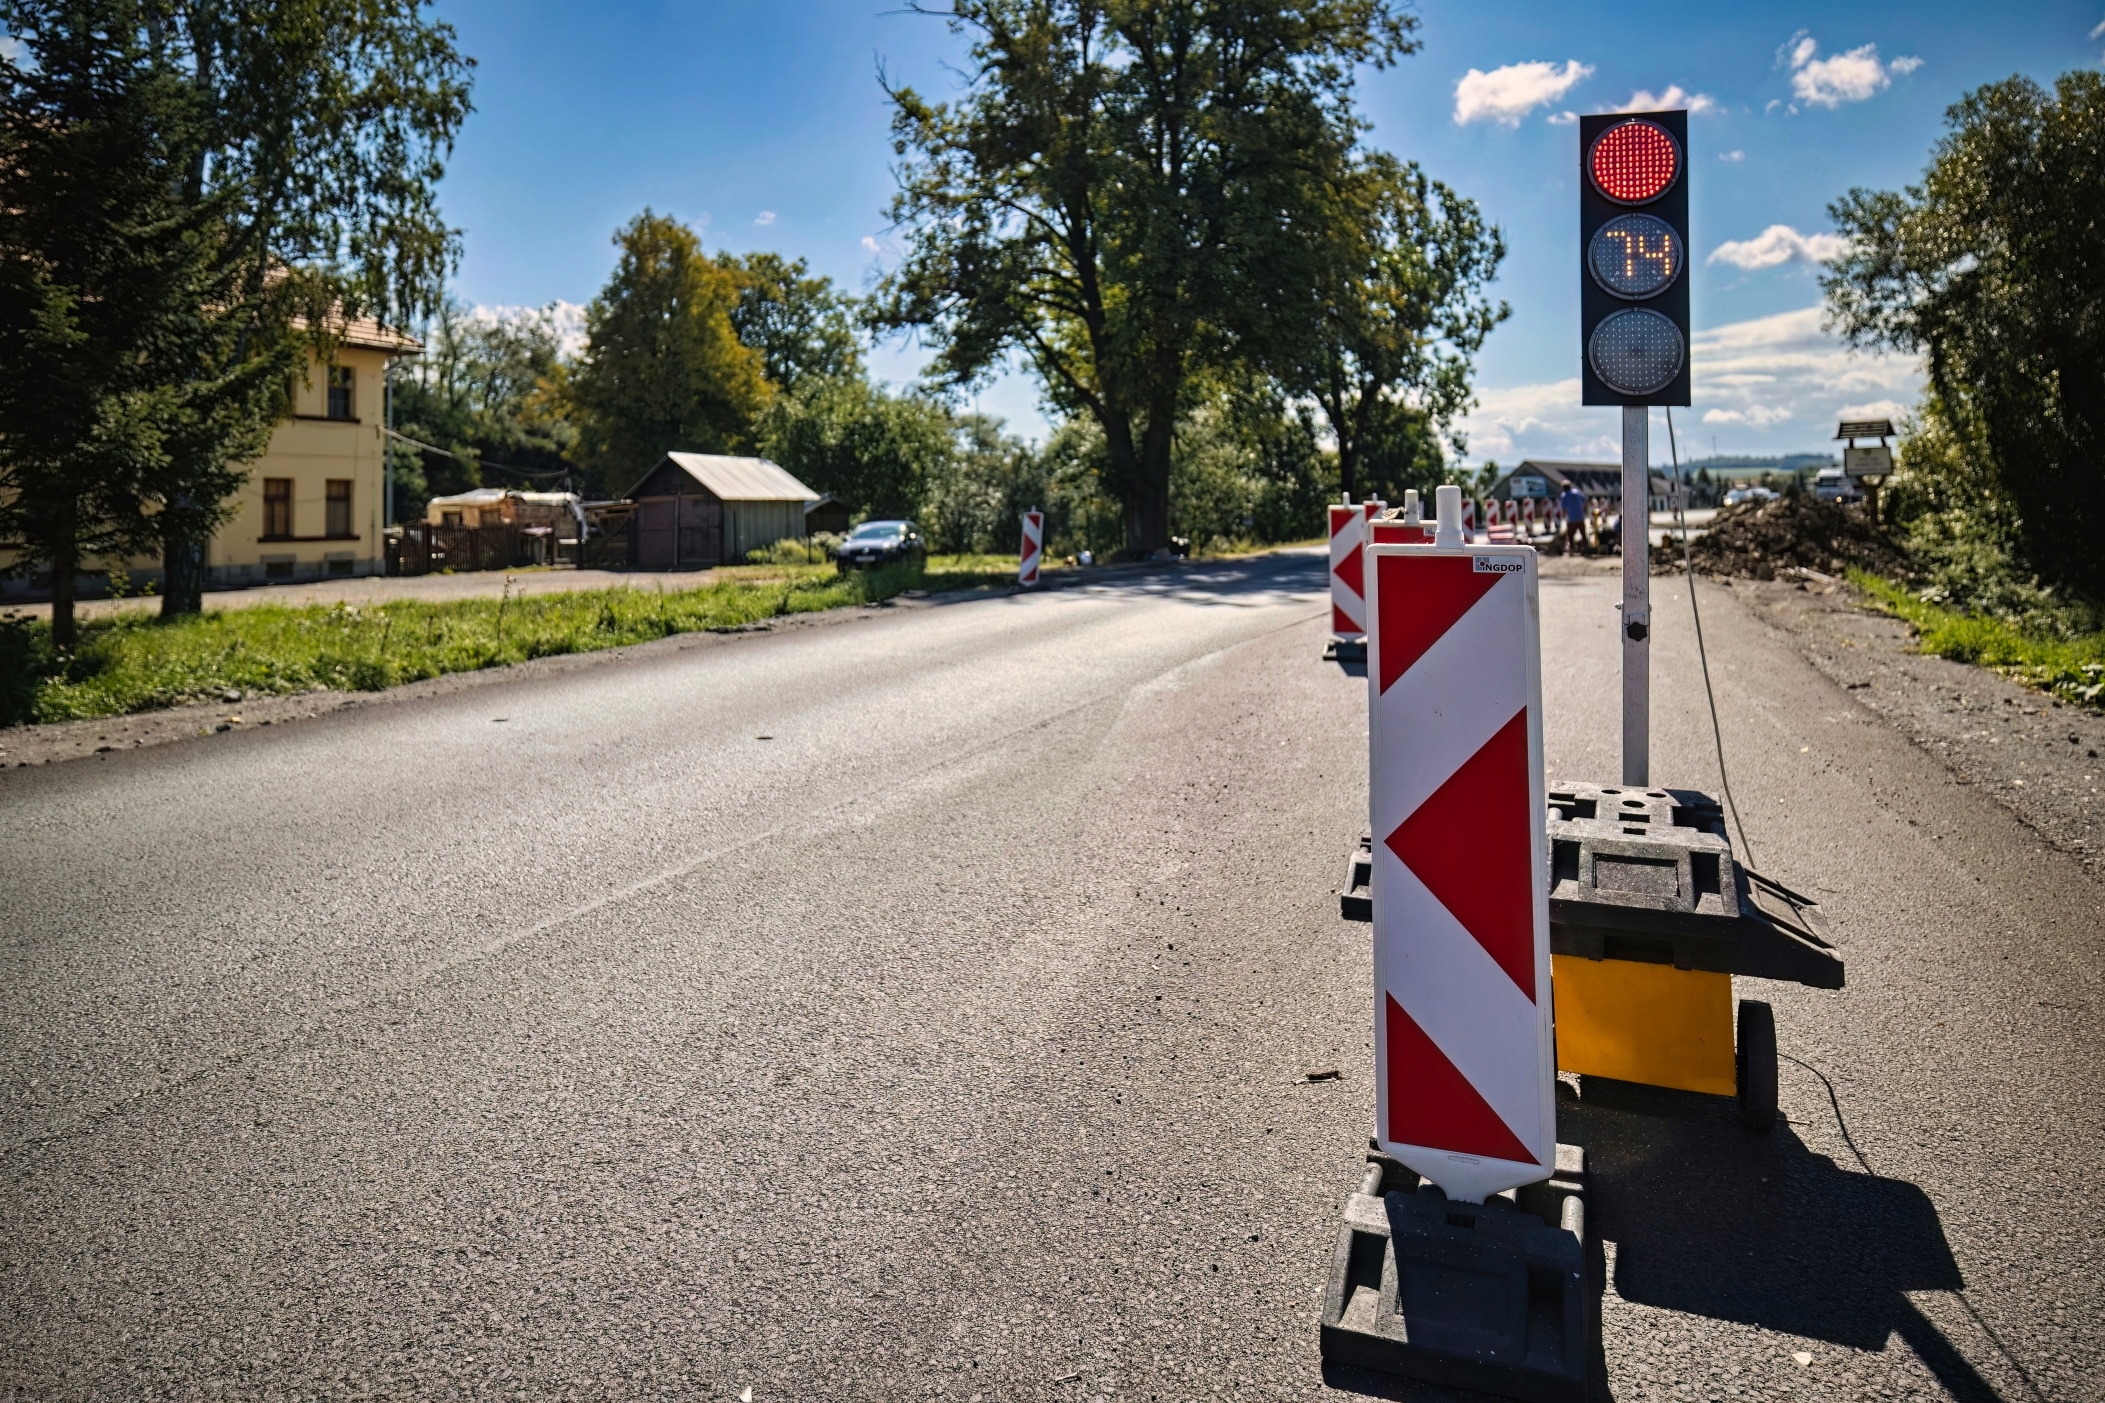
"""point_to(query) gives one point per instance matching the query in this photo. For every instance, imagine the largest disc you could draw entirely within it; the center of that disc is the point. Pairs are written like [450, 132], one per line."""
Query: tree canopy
[664, 367]
[1128, 195]
[1396, 317]
[1993, 269]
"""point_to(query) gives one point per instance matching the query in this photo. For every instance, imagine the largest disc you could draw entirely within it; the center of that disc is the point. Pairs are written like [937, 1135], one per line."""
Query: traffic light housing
[1633, 258]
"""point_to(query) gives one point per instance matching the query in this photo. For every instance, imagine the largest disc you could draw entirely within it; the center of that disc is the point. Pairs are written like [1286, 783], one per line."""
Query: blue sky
[765, 127]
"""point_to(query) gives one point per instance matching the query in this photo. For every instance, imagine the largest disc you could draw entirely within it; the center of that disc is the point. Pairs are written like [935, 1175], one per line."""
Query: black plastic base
[1491, 1296]
[1345, 650]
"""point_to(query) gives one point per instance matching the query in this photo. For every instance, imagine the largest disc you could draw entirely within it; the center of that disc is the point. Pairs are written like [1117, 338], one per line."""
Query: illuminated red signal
[1634, 162]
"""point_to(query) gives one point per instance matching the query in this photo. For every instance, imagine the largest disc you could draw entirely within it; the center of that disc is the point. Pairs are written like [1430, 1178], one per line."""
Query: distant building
[501, 506]
[700, 509]
[1601, 482]
[312, 504]
[826, 514]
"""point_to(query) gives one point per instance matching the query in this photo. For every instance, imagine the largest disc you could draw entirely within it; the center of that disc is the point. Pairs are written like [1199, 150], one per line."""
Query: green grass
[2069, 667]
[135, 662]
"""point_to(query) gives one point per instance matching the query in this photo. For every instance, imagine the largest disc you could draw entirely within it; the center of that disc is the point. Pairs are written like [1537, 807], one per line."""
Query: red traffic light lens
[1633, 162]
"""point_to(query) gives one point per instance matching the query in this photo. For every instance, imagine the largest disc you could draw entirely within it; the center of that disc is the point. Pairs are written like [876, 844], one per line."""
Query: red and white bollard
[1348, 594]
[1464, 1062]
[1033, 548]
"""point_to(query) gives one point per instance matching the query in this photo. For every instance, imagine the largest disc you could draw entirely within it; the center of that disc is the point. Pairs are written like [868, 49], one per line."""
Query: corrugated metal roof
[742, 479]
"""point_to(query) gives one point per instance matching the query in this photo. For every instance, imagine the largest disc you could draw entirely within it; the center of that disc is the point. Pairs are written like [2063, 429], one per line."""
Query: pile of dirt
[1759, 540]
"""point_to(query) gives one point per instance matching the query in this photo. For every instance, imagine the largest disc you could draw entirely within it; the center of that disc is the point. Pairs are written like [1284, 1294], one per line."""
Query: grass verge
[137, 662]
[2069, 667]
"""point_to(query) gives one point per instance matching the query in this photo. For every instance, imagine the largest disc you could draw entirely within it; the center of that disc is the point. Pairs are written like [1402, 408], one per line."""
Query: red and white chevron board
[1464, 1052]
[1392, 531]
[1348, 590]
[1468, 516]
[1033, 548]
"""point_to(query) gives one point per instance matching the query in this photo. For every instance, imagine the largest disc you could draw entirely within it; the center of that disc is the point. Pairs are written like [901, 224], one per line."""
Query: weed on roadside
[2070, 666]
[137, 662]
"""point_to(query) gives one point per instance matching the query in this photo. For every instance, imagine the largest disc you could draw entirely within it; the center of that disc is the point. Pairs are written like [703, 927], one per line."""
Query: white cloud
[1644, 100]
[1506, 95]
[870, 245]
[2099, 31]
[1780, 382]
[1732, 158]
[1561, 119]
[1776, 245]
[1759, 416]
[1851, 76]
[1875, 409]
[565, 320]
[764, 218]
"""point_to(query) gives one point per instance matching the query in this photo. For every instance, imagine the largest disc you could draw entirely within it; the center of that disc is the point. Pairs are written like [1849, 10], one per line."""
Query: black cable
[1717, 735]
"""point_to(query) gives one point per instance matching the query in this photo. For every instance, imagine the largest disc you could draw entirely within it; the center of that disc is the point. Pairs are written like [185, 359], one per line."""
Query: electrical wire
[1717, 735]
[476, 462]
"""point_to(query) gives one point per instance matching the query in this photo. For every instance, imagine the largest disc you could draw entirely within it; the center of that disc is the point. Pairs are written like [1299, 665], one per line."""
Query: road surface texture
[922, 1008]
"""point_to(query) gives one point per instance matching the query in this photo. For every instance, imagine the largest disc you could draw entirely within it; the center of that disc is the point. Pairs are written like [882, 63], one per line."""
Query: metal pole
[1637, 595]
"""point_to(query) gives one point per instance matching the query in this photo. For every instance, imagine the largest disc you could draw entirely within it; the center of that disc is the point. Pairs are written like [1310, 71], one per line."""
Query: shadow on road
[1712, 1220]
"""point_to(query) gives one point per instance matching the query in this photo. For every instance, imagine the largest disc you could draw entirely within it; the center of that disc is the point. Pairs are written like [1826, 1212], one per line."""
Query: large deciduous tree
[664, 368]
[1993, 269]
[802, 326]
[1128, 194]
[1398, 313]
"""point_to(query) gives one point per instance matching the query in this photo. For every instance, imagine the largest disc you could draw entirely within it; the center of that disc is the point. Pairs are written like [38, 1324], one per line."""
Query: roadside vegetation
[2068, 664]
[140, 662]
[1985, 537]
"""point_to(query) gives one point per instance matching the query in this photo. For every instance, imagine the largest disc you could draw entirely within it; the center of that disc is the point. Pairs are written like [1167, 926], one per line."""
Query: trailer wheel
[1755, 1061]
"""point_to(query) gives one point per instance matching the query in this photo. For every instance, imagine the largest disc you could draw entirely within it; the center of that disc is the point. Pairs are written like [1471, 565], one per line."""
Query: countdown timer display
[1636, 351]
[1634, 163]
[1635, 255]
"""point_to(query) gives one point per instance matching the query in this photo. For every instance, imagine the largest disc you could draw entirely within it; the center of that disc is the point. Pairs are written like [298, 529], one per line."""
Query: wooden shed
[700, 509]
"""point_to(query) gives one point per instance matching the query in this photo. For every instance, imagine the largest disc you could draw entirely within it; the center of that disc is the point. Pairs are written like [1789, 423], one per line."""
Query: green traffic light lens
[1636, 351]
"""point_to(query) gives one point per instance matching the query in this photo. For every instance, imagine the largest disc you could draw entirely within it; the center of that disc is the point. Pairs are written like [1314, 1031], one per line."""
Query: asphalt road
[920, 1006]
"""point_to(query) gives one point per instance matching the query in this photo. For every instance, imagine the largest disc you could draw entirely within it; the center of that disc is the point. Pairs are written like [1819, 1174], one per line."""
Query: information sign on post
[1464, 1062]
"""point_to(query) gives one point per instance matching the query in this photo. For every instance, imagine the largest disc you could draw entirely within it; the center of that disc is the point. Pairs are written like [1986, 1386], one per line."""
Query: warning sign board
[1465, 1074]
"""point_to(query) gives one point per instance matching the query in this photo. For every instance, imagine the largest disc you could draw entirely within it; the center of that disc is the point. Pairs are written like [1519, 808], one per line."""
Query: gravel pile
[1758, 540]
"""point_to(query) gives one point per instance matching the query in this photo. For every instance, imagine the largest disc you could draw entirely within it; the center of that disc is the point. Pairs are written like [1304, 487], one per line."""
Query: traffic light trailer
[1441, 1270]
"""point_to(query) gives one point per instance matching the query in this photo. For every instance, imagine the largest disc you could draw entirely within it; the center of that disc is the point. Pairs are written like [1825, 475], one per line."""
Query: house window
[339, 506]
[450, 519]
[277, 507]
[341, 382]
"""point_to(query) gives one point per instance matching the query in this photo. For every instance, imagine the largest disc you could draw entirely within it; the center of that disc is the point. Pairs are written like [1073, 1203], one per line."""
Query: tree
[485, 389]
[1126, 196]
[873, 451]
[800, 325]
[137, 360]
[664, 368]
[1399, 314]
[327, 124]
[1993, 269]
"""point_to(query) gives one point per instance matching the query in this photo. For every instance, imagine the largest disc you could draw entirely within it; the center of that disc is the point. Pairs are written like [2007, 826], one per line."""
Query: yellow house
[315, 503]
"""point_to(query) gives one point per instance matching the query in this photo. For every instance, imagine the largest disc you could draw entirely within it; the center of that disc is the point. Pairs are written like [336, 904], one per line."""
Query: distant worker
[1573, 504]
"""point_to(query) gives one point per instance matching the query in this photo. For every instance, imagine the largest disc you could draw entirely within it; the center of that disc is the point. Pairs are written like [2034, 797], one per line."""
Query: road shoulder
[2036, 756]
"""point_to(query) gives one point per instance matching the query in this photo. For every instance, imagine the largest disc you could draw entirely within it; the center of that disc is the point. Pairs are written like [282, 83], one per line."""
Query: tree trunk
[65, 560]
[1147, 493]
[182, 577]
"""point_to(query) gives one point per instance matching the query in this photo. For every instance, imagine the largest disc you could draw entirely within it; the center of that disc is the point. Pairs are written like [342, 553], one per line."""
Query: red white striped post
[1033, 548]
[1464, 1058]
[1348, 591]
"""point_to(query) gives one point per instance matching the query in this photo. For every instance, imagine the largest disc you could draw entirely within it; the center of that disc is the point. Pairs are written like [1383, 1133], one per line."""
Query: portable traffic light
[1633, 256]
